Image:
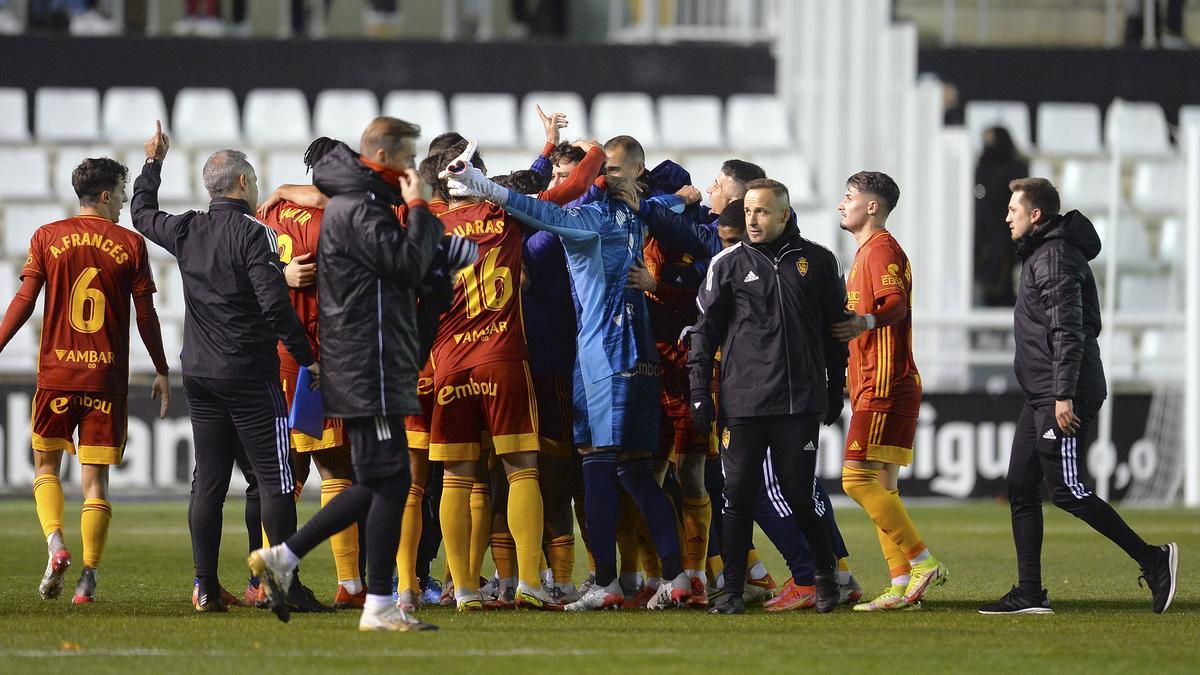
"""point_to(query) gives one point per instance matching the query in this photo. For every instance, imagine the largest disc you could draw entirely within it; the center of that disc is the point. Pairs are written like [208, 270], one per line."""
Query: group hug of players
[573, 378]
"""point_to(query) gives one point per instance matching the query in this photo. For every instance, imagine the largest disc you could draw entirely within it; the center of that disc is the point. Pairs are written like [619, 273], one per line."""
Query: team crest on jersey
[802, 266]
[725, 439]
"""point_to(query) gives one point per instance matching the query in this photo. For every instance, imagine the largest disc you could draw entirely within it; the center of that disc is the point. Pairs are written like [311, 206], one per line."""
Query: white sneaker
[599, 597]
[671, 594]
[272, 567]
[490, 590]
[407, 600]
[390, 617]
[535, 597]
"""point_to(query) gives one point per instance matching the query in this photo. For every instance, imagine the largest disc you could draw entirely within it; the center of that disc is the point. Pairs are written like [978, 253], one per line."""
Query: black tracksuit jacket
[1057, 317]
[769, 309]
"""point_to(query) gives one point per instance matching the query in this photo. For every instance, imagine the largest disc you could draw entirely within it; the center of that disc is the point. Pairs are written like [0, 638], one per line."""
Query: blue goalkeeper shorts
[621, 411]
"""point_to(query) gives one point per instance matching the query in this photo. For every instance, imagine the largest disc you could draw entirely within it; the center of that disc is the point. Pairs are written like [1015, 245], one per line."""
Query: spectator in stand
[202, 18]
[995, 259]
[1170, 10]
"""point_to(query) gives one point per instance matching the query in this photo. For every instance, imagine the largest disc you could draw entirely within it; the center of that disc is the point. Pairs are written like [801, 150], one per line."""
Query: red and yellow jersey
[484, 321]
[296, 231]
[882, 374]
[91, 268]
[673, 306]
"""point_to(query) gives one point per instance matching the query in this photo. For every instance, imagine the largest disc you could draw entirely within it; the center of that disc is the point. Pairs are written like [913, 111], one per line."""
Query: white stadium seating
[66, 115]
[22, 220]
[206, 116]
[14, 115]
[342, 114]
[424, 108]
[1068, 128]
[757, 122]
[690, 122]
[128, 114]
[277, 117]
[1141, 129]
[1012, 115]
[67, 157]
[24, 172]
[632, 114]
[490, 119]
[177, 181]
[533, 133]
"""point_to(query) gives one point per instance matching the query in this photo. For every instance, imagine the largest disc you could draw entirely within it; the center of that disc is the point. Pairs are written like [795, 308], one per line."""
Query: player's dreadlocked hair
[525, 181]
[318, 149]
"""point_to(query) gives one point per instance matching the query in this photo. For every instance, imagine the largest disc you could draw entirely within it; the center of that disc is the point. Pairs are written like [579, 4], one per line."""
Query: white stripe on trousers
[1070, 467]
[283, 449]
[383, 430]
[774, 494]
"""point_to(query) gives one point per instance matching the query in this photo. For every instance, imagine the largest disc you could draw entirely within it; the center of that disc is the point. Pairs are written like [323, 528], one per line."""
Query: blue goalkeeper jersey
[602, 240]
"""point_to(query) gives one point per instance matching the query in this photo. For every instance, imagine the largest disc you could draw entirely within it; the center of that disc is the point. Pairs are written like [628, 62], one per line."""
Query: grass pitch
[143, 620]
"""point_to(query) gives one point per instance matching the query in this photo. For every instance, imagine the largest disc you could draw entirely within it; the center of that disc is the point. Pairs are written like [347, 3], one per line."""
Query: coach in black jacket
[1056, 324]
[237, 310]
[768, 303]
[368, 272]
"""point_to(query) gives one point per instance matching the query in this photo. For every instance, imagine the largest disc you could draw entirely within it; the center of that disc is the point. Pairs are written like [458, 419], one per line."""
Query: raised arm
[158, 226]
[580, 180]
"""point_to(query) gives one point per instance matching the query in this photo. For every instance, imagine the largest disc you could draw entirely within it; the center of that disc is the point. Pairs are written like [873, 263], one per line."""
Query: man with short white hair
[237, 310]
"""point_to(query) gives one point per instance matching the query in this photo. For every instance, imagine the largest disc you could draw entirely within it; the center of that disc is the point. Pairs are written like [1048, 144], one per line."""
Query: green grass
[143, 620]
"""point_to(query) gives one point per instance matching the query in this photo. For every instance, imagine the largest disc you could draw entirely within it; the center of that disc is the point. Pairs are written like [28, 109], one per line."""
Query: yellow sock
[504, 554]
[752, 559]
[481, 526]
[93, 524]
[455, 512]
[344, 543]
[526, 521]
[561, 554]
[651, 563]
[410, 540]
[843, 564]
[697, 517]
[885, 509]
[627, 538]
[48, 498]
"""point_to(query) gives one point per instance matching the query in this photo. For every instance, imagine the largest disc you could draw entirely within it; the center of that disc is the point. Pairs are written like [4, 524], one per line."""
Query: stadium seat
[342, 114]
[614, 114]
[129, 113]
[22, 220]
[757, 122]
[1012, 115]
[24, 172]
[20, 355]
[1121, 364]
[67, 157]
[570, 103]
[1147, 293]
[819, 225]
[1085, 184]
[67, 115]
[1043, 168]
[1068, 128]
[1140, 127]
[14, 115]
[1132, 243]
[282, 166]
[703, 168]
[169, 300]
[1158, 187]
[793, 170]
[274, 117]
[1189, 115]
[1170, 240]
[490, 119]
[424, 108]
[501, 162]
[177, 182]
[206, 116]
[1159, 355]
[690, 122]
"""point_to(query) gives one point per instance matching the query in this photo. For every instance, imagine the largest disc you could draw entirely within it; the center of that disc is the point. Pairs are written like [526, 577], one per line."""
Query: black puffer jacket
[769, 308]
[370, 272]
[1057, 317]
